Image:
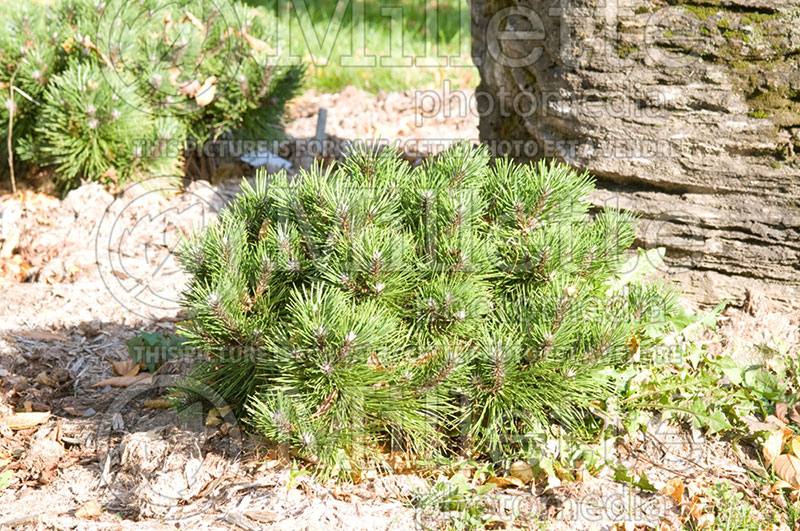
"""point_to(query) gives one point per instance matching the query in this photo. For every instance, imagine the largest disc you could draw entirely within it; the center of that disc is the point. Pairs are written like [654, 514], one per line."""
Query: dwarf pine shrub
[108, 90]
[451, 307]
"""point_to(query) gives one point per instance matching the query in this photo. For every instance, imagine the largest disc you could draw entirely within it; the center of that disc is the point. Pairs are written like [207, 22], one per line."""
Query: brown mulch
[81, 275]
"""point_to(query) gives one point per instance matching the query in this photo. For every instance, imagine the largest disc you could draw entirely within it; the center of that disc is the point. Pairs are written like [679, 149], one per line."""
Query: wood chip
[125, 381]
[262, 516]
[90, 509]
[21, 421]
[42, 335]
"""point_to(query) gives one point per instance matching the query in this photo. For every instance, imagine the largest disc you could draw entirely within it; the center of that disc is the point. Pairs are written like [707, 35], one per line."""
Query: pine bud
[449, 299]
[320, 333]
[427, 199]
[243, 86]
[309, 441]
[281, 422]
[460, 214]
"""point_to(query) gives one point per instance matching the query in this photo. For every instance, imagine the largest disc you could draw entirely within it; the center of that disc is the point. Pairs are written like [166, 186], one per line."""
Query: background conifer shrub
[119, 88]
[452, 307]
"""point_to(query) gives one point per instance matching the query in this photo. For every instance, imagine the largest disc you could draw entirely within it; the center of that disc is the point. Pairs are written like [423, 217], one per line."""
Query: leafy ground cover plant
[451, 308]
[103, 91]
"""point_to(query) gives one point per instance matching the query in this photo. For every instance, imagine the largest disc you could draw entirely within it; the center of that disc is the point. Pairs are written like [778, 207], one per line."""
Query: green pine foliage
[121, 88]
[454, 307]
[86, 124]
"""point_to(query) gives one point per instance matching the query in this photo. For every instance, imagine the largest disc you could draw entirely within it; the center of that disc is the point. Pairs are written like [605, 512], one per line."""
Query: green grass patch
[377, 45]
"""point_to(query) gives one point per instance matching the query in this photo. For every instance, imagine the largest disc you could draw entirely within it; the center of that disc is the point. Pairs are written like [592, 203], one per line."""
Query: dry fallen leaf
[780, 485]
[522, 471]
[582, 475]
[90, 509]
[42, 335]
[674, 489]
[505, 481]
[257, 44]
[794, 446]
[400, 463]
[754, 425]
[194, 20]
[374, 362]
[124, 381]
[214, 418]
[174, 72]
[86, 41]
[787, 467]
[781, 409]
[21, 421]
[794, 414]
[157, 403]
[706, 521]
[206, 93]
[45, 379]
[775, 420]
[697, 507]
[168, 23]
[125, 368]
[110, 176]
[190, 88]
[773, 445]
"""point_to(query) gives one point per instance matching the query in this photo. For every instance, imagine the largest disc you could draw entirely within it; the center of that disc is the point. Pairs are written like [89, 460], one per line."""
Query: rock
[687, 112]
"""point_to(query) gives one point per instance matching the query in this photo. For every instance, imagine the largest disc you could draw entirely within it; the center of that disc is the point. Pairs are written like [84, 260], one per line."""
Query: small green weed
[154, 349]
[731, 511]
[453, 503]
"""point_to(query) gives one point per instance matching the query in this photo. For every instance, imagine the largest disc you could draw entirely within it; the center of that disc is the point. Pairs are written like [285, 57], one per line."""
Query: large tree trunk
[688, 113]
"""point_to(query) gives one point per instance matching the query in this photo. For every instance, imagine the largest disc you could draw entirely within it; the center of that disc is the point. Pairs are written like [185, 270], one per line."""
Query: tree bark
[688, 113]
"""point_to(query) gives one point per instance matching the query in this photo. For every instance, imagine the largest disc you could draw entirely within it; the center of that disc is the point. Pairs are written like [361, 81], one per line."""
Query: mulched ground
[81, 275]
